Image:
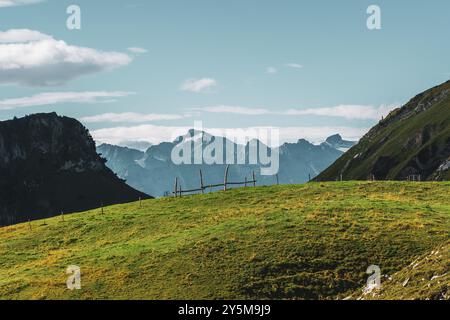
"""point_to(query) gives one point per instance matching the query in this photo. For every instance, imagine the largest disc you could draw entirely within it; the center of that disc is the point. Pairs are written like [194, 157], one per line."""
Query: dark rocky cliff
[49, 165]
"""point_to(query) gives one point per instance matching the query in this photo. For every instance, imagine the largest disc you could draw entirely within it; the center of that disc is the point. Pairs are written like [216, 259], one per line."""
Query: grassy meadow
[311, 241]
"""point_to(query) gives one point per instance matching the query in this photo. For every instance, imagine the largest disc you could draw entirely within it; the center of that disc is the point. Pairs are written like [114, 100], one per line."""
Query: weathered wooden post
[175, 188]
[181, 191]
[102, 207]
[226, 178]
[201, 183]
[254, 179]
[246, 182]
[278, 180]
[62, 216]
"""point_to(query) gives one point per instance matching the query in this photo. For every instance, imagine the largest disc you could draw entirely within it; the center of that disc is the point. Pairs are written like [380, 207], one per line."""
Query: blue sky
[310, 65]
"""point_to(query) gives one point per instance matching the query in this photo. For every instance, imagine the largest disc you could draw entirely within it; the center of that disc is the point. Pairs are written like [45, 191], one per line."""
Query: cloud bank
[52, 98]
[31, 58]
[13, 3]
[157, 134]
[130, 117]
[350, 112]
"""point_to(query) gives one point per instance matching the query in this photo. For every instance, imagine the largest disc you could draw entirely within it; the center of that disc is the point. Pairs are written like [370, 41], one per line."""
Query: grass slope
[283, 242]
[406, 142]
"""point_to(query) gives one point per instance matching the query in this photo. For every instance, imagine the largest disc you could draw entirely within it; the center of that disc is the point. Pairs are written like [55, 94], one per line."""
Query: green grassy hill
[412, 140]
[282, 242]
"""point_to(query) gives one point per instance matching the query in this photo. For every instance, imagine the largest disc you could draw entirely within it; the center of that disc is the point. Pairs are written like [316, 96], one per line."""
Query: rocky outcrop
[426, 278]
[49, 165]
[338, 143]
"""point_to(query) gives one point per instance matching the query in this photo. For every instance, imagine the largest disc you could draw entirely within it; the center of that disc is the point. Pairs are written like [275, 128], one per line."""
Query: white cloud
[198, 85]
[22, 35]
[294, 65]
[271, 70]
[130, 117]
[157, 134]
[13, 3]
[137, 50]
[235, 110]
[51, 98]
[31, 58]
[148, 133]
[353, 112]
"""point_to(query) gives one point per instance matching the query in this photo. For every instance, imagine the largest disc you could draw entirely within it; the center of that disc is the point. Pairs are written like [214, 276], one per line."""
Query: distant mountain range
[49, 165]
[138, 145]
[153, 171]
[412, 142]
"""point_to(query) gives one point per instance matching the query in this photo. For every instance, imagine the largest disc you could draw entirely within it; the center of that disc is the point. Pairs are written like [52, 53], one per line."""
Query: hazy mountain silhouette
[154, 172]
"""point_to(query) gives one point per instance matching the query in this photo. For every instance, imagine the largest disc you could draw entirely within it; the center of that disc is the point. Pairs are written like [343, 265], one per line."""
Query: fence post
[246, 182]
[226, 178]
[181, 192]
[201, 182]
[175, 188]
[254, 179]
[278, 181]
[29, 223]
[62, 216]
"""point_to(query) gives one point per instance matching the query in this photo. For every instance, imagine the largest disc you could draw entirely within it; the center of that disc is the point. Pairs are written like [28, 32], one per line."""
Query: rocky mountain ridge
[411, 143]
[154, 172]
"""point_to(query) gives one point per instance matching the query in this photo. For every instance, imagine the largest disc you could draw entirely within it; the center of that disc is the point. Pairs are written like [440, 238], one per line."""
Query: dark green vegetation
[412, 140]
[284, 242]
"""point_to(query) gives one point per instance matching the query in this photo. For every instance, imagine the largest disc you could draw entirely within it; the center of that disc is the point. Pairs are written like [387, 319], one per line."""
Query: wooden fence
[178, 191]
[414, 177]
